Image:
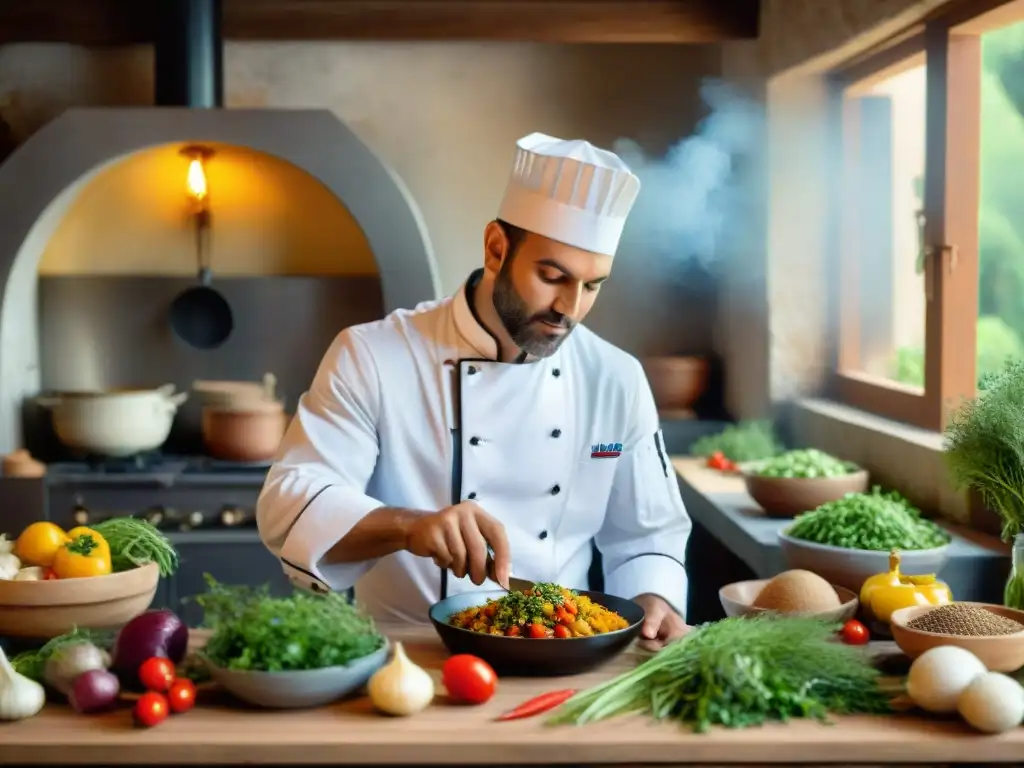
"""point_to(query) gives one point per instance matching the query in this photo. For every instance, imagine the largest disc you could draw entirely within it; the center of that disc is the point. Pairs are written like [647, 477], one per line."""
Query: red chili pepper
[536, 706]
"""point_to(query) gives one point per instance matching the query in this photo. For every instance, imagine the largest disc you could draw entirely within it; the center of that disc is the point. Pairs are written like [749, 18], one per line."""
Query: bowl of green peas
[848, 540]
[801, 480]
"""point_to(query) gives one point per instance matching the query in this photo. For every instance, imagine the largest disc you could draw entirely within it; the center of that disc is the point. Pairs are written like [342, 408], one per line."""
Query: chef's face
[543, 288]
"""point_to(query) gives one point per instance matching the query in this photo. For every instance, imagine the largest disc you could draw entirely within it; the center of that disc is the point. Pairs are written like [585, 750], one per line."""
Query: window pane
[1001, 213]
[889, 184]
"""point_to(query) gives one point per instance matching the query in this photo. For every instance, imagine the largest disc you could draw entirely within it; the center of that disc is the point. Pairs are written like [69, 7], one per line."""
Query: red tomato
[537, 631]
[562, 631]
[151, 709]
[513, 631]
[718, 460]
[468, 678]
[854, 633]
[181, 695]
[157, 674]
[49, 575]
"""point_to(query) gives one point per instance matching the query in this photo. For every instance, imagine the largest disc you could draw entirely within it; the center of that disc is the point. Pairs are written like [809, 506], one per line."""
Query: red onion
[153, 633]
[94, 691]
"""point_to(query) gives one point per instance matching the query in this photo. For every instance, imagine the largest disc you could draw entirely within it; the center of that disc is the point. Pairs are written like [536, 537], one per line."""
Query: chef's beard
[526, 330]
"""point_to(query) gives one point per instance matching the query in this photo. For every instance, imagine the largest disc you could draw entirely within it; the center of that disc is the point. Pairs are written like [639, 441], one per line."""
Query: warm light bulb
[196, 179]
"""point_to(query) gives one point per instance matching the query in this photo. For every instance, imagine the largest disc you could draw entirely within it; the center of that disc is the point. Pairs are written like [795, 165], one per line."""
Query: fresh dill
[741, 672]
[984, 446]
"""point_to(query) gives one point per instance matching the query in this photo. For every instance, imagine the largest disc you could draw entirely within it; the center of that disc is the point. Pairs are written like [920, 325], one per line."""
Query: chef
[491, 418]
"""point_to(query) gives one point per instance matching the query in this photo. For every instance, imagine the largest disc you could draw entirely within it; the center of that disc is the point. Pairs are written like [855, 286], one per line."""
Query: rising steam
[693, 197]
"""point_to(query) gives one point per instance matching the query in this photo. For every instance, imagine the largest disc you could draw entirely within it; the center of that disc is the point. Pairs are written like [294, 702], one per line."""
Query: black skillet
[527, 657]
[201, 316]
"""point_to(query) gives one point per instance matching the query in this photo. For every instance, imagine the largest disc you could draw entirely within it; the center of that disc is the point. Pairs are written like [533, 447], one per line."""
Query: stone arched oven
[42, 178]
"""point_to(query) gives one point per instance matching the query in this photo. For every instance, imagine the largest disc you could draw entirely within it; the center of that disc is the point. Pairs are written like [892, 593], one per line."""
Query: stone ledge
[977, 567]
[897, 455]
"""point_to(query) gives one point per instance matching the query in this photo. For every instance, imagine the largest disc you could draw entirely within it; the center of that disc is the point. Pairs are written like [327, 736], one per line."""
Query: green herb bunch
[741, 672]
[134, 543]
[984, 444]
[254, 631]
[875, 521]
[746, 441]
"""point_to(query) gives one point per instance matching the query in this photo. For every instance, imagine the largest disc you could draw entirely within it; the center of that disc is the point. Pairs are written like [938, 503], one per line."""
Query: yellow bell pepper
[885, 593]
[87, 554]
[82, 530]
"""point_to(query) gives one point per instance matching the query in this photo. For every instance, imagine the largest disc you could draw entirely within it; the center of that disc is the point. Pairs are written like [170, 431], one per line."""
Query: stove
[174, 493]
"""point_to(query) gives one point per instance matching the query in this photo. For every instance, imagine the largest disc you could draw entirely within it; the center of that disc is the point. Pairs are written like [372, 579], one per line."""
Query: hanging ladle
[201, 316]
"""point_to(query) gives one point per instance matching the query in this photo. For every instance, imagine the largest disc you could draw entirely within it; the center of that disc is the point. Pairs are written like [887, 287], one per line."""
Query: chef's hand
[457, 538]
[662, 624]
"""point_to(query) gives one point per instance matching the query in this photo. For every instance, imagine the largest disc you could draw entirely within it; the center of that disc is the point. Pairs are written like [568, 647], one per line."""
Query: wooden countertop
[221, 731]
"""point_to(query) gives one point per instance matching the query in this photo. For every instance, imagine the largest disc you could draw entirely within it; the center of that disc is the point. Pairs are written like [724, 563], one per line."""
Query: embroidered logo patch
[605, 450]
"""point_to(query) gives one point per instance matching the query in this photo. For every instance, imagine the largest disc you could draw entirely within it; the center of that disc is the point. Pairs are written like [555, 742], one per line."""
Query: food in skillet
[547, 610]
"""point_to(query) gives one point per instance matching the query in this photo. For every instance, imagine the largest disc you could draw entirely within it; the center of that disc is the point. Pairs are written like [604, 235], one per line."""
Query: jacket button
[556, 373]
[472, 369]
[472, 495]
[474, 441]
[543, 535]
[556, 490]
[556, 433]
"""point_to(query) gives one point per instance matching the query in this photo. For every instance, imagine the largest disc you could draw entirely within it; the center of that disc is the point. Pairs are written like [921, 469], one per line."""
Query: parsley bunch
[254, 631]
[740, 672]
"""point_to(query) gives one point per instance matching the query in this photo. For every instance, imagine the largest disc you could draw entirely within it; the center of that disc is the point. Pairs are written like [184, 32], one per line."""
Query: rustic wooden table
[351, 733]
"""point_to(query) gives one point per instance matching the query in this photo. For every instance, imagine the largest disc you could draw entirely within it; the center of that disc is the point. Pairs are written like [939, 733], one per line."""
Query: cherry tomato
[182, 695]
[718, 460]
[157, 674]
[151, 709]
[513, 631]
[537, 631]
[49, 575]
[562, 631]
[468, 678]
[854, 633]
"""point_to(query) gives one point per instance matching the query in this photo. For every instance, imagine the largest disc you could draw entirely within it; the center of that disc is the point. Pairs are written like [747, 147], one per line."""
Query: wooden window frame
[950, 44]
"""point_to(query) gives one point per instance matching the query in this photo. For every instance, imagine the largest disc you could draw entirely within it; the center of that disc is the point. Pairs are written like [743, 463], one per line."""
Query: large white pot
[116, 422]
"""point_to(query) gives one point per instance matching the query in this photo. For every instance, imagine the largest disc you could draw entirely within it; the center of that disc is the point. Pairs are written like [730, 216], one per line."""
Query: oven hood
[188, 49]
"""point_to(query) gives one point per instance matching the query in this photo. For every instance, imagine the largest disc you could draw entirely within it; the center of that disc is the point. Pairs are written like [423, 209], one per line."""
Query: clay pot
[232, 393]
[21, 464]
[677, 381]
[244, 431]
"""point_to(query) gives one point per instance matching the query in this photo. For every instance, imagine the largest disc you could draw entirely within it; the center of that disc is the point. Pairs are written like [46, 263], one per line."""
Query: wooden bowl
[1000, 653]
[791, 496]
[676, 381]
[45, 609]
[737, 600]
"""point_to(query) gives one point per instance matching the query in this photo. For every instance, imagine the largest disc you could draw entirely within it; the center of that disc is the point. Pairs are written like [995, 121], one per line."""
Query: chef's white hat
[569, 191]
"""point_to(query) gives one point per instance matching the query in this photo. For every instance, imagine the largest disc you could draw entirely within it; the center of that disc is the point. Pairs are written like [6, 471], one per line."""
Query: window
[931, 218]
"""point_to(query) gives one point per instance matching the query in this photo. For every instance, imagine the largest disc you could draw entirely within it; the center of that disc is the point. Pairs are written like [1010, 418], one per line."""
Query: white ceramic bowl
[303, 689]
[850, 568]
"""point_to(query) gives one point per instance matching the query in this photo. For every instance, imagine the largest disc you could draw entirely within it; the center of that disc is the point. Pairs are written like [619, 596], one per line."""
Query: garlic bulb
[31, 573]
[20, 697]
[9, 566]
[400, 687]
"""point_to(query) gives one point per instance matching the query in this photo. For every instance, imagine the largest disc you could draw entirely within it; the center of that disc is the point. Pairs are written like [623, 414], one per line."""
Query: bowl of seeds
[993, 633]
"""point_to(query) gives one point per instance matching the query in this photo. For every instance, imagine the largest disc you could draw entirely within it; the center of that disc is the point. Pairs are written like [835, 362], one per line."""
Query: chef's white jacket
[413, 411]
